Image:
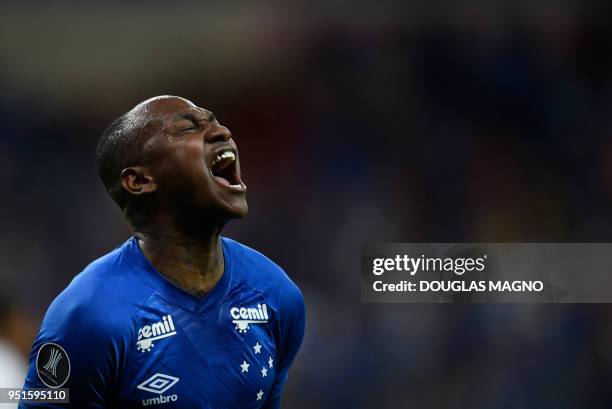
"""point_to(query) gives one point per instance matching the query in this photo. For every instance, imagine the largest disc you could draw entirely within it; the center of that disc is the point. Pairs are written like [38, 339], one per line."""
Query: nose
[218, 134]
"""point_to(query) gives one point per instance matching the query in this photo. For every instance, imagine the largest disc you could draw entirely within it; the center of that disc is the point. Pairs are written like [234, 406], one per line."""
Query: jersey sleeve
[77, 348]
[292, 325]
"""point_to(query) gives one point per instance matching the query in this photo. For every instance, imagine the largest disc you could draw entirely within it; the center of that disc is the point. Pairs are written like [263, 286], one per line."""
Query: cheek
[181, 162]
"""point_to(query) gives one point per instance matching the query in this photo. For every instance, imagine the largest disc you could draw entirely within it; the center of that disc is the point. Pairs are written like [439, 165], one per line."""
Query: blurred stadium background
[381, 121]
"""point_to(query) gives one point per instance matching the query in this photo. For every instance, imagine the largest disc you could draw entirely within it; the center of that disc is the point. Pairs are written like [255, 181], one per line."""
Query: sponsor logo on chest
[159, 330]
[243, 316]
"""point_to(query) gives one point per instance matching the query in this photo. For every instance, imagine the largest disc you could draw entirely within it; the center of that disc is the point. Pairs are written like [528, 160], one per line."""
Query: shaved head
[124, 144]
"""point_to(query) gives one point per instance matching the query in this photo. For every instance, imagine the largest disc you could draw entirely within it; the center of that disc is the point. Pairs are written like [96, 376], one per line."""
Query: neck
[194, 264]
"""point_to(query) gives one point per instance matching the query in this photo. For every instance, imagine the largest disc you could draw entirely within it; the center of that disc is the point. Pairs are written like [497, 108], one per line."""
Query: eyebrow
[196, 117]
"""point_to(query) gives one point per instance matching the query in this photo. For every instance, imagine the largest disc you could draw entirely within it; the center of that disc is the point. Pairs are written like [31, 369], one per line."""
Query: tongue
[223, 181]
[222, 170]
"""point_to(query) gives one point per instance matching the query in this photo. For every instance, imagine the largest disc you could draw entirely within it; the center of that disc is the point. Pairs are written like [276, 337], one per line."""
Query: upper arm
[76, 348]
[292, 325]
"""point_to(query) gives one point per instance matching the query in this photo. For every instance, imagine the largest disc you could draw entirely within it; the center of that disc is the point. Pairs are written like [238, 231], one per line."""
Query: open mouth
[223, 170]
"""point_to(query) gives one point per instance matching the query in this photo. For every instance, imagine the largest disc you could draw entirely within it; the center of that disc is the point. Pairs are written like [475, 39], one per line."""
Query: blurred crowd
[374, 122]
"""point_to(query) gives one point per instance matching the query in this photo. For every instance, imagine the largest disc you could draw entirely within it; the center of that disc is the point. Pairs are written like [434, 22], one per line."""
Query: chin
[231, 211]
[239, 212]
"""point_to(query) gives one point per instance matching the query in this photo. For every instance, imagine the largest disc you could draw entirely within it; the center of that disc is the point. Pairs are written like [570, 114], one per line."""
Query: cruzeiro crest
[52, 365]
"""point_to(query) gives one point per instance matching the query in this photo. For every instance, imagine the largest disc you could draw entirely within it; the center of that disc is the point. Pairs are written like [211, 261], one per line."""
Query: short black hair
[121, 145]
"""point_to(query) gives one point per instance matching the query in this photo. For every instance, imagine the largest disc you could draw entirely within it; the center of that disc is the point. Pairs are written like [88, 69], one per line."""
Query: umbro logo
[149, 333]
[243, 317]
[159, 383]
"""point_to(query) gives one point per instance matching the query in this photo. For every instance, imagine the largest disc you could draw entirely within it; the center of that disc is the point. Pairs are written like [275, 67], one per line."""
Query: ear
[137, 180]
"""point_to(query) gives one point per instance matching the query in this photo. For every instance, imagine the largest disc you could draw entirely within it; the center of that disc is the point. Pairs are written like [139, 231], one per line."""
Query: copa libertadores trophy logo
[53, 365]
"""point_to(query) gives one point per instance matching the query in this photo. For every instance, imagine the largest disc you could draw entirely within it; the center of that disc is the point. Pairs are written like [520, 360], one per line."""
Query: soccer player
[177, 316]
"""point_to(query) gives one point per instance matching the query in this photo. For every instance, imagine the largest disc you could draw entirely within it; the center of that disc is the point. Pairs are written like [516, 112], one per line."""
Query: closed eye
[187, 124]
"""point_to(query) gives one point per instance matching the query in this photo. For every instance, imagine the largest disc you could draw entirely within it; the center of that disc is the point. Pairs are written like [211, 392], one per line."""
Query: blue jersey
[122, 336]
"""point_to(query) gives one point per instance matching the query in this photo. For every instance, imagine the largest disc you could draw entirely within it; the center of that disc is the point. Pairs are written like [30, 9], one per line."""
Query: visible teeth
[224, 155]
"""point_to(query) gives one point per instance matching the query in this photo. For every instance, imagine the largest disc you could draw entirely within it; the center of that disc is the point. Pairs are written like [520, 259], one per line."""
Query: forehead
[172, 109]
